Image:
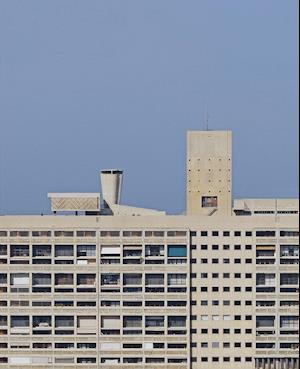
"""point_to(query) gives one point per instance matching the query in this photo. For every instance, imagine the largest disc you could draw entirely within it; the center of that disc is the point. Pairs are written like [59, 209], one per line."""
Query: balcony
[19, 254]
[19, 325]
[86, 254]
[132, 325]
[289, 279]
[86, 325]
[41, 282]
[111, 254]
[132, 255]
[41, 251]
[265, 325]
[155, 251]
[19, 282]
[265, 283]
[62, 251]
[155, 283]
[64, 325]
[3, 279]
[110, 325]
[132, 280]
[287, 251]
[289, 325]
[42, 325]
[3, 250]
[110, 282]
[64, 282]
[86, 283]
[265, 254]
[155, 325]
[3, 321]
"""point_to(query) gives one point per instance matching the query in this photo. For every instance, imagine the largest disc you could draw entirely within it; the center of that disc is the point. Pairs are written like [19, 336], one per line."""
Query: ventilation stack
[111, 181]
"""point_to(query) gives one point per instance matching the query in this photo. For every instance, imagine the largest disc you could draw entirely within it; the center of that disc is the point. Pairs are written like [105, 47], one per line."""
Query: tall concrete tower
[209, 172]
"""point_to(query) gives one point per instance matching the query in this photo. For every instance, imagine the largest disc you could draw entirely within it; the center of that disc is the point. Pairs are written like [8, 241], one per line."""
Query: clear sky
[94, 84]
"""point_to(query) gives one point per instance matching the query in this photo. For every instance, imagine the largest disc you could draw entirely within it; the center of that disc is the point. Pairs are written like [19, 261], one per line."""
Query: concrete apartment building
[102, 285]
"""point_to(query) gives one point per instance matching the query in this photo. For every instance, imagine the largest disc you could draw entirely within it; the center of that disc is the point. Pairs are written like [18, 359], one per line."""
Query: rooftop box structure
[66, 202]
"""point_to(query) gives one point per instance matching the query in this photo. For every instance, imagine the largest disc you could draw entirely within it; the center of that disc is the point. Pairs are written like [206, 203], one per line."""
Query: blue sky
[86, 85]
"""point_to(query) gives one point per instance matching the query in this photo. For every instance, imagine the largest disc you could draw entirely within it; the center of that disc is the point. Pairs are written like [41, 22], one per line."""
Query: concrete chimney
[111, 181]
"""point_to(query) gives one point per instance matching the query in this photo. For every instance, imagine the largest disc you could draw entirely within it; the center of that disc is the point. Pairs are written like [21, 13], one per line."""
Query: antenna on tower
[206, 118]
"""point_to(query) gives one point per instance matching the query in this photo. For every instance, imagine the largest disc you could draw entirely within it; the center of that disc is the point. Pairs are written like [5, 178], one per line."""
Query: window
[132, 279]
[226, 233]
[41, 233]
[158, 279]
[289, 250]
[176, 233]
[177, 251]
[177, 279]
[64, 251]
[110, 234]
[209, 201]
[265, 233]
[86, 234]
[154, 233]
[204, 247]
[19, 234]
[63, 234]
[237, 233]
[265, 321]
[289, 233]
[132, 233]
[289, 322]
[86, 250]
[215, 233]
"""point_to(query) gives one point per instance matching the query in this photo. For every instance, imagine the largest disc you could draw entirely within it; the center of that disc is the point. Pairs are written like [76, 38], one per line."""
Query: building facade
[115, 286]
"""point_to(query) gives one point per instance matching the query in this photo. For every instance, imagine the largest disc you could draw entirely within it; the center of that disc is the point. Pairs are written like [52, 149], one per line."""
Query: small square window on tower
[209, 201]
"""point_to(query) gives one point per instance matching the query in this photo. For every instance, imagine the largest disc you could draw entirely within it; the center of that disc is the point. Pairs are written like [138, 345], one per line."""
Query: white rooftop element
[111, 181]
[123, 210]
[74, 202]
[267, 206]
